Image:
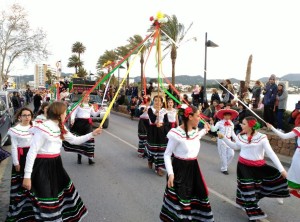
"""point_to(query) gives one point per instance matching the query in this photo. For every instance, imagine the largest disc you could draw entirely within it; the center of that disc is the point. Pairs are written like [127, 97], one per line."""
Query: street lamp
[120, 67]
[208, 43]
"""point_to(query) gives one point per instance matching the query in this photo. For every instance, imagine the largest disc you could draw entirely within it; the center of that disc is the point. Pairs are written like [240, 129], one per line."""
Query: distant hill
[294, 79]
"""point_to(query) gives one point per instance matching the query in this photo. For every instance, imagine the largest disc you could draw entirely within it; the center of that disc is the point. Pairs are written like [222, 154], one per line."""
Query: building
[40, 74]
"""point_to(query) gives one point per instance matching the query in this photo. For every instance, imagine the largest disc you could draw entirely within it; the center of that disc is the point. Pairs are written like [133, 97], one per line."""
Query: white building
[40, 74]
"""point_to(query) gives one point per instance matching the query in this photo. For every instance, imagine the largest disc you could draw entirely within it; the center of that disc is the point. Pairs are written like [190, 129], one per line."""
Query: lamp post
[120, 67]
[208, 43]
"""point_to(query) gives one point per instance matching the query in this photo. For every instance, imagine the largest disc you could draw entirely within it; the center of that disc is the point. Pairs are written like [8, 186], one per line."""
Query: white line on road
[210, 190]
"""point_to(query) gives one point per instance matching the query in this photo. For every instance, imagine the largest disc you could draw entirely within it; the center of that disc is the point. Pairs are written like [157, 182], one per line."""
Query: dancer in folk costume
[156, 139]
[81, 124]
[226, 127]
[293, 176]
[143, 126]
[172, 113]
[186, 194]
[53, 195]
[20, 142]
[256, 179]
[42, 113]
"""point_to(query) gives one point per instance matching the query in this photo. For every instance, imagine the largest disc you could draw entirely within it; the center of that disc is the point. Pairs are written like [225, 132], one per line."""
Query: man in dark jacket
[16, 102]
[270, 92]
[37, 100]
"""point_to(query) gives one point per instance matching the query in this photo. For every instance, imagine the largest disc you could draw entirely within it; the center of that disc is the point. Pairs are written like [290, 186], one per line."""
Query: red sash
[252, 162]
[21, 152]
[47, 156]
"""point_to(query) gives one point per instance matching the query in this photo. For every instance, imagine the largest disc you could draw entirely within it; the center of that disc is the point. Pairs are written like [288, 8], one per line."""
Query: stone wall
[284, 147]
[280, 146]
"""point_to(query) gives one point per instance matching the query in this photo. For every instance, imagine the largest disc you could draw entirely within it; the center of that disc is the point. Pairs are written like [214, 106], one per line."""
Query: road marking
[210, 190]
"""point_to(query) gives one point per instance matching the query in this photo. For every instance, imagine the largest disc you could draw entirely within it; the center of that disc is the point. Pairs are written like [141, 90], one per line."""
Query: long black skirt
[188, 199]
[16, 184]
[81, 127]
[53, 196]
[143, 126]
[255, 183]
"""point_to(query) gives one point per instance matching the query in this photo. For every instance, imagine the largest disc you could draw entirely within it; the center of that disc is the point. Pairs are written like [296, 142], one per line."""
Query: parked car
[5, 96]
[5, 124]
[94, 99]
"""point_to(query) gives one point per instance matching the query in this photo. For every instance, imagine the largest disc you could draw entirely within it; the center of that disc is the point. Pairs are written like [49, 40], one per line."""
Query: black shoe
[78, 158]
[225, 172]
[91, 162]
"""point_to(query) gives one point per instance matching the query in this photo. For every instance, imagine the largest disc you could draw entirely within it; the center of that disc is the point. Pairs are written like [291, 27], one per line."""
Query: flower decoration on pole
[158, 19]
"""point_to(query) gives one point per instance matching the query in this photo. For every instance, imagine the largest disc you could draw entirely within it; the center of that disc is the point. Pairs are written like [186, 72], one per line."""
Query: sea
[292, 100]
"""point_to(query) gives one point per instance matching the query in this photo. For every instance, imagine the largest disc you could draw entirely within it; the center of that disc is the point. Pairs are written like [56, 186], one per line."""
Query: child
[21, 139]
[186, 195]
[172, 113]
[54, 196]
[143, 126]
[226, 127]
[42, 113]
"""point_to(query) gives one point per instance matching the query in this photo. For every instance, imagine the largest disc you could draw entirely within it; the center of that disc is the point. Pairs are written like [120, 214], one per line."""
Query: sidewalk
[285, 160]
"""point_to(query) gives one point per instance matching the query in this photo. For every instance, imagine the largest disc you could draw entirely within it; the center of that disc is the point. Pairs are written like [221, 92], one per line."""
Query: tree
[82, 72]
[18, 40]
[122, 51]
[49, 76]
[108, 55]
[79, 48]
[133, 42]
[176, 34]
[74, 61]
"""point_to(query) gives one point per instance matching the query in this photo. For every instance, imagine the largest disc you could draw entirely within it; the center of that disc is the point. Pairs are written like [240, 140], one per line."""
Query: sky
[268, 29]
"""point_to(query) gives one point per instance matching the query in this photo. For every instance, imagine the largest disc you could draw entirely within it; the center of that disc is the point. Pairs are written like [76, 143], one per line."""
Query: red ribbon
[90, 121]
[21, 152]
[227, 123]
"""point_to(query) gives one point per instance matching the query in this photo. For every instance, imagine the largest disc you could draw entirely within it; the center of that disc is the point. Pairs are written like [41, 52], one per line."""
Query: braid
[186, 128]
[250, 137]
[62, 129]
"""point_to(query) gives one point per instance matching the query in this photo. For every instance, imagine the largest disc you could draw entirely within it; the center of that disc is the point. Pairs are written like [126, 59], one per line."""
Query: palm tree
[133, 42]
[122, 51]
[74, 61]
[82, 72]
[175, 31]
[49, 76]
[79, 48]
[108, 55]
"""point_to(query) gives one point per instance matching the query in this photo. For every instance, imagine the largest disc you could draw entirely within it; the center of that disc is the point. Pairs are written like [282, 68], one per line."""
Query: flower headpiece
[253, 124]
[158, 19]
[184, 110]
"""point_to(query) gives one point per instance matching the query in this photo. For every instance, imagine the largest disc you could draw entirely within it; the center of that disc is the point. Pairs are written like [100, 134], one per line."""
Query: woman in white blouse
[186, 194]
[255, 178]
[294, 171]
[20, 142]
[81, 124]
[52, 192]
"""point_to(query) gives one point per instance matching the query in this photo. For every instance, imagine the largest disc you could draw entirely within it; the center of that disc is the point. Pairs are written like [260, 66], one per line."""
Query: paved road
[120, 187]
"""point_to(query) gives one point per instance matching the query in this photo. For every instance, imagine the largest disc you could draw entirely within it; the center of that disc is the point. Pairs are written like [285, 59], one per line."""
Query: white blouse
[40, 118]
[20, 137]
[227, 131]
[46, 140]
[172, 115]
[294, 133]
[161, 115]
[256, 149]
[85, 111]
[181, 146]
[144, 115]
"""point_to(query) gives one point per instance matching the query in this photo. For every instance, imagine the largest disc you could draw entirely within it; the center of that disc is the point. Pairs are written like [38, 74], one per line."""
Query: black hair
[19, 113]
[186, 119]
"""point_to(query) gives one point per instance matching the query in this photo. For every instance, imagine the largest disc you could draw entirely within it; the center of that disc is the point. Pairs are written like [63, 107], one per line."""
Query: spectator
[256, 91]
[196, 96]
[269, 92]
[37, 99]
[128, 93]
[210, 113]
[186, 99]
[242, 114]
[280, 105]
[296, 114]
[149, 89]
[214, 96]
[16, 102]
[132, 106]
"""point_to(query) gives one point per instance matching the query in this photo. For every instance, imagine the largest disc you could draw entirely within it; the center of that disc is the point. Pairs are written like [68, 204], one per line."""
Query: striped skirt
[188, 199]
[142, 134]
[53, 196]
[256, 182]
[156, 145]
[80, 128]
[17, 180]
